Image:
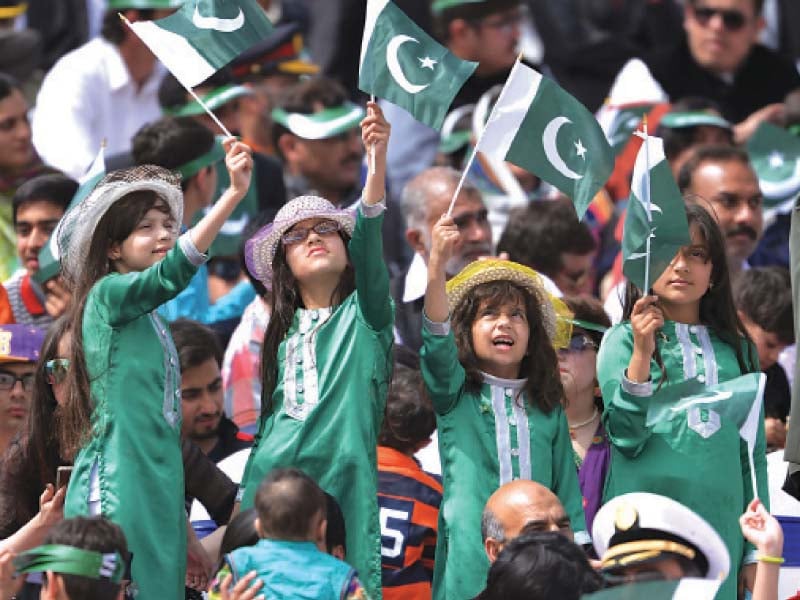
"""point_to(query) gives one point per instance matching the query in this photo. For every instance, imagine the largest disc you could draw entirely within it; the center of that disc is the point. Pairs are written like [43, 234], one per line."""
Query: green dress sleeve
[625, 412]
[565, 479]
[371, 275]
[442, 372]
[129, 296]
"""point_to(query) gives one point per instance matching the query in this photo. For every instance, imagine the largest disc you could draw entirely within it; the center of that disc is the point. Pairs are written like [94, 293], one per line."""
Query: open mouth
[503, 341]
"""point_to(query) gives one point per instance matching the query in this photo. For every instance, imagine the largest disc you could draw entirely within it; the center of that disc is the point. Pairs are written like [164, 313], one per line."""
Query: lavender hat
[20, 343]
[259, 250]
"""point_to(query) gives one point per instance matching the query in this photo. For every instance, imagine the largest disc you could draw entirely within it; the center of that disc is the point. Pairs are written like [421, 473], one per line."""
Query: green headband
[320, 125]
[455, 141]
[589, 326]
[212, 157]
[69, 560]
[213, 100]
[679, 120]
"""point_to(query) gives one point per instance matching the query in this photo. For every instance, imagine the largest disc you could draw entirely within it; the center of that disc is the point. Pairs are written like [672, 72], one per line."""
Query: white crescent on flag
[551, 151]
[222, 25]
[393, 63]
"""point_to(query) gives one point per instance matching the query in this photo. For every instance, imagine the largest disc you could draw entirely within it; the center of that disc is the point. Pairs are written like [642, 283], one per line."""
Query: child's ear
[321, 533]
[257, 525]
[114, 252]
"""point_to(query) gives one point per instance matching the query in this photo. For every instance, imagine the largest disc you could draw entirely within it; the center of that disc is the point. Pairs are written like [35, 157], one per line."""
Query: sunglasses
[733, 20]
[56, 370]
[9, 380]
[579, 343]
[298, 235]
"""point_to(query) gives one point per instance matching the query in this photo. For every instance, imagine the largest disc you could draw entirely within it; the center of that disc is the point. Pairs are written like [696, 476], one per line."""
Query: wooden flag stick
[372, 147]
[646, 289]
[478, 144]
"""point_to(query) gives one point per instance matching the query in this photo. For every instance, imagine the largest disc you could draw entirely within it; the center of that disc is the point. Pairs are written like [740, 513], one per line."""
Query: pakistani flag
[688, 588]
[620, 122]
[652, 234]
[775, 156]
[204, 36]
[738, 400]
[538, 126]
[49, 265]
[404, 65]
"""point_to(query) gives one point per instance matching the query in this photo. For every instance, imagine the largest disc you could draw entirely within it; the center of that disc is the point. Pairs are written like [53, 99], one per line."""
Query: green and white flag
[775, 156]
[49, 265]
[404, 65]
[204, 36]
[738, 400]
[688, 588]
[538, 126]
[654, 231]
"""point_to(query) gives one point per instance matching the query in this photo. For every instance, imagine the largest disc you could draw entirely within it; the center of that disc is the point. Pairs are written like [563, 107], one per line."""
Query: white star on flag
[776, 160]
[580, 149]
[427, 63]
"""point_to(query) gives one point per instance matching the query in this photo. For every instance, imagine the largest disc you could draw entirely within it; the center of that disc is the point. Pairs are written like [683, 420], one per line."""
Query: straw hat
[75, 230]
[259, 250]
[555, 314]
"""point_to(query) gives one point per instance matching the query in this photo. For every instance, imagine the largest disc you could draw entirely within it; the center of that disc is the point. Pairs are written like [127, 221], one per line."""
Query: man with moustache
[202, 397]
[721, 178]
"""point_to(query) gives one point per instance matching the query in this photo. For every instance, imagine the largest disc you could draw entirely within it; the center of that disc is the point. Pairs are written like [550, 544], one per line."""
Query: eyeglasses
[579, 343]
[733, 20]
[298, 235]
[56, 370]
[9, 380]
[464, 220]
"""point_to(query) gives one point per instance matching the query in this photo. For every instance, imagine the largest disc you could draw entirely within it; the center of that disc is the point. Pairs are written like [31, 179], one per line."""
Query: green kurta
[486, 440]
[134, 447]
[334, 368]
[699, 460]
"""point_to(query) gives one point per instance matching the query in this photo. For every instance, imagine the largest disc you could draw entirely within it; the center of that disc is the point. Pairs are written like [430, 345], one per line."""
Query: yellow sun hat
[556, 316]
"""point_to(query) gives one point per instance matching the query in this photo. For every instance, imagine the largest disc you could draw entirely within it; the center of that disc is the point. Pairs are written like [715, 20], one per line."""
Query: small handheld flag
[775, 156]
[538, 126]
[404, 65]
[655, 222]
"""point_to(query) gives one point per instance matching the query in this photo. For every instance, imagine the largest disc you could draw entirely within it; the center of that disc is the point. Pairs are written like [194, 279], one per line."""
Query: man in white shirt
[104, 90]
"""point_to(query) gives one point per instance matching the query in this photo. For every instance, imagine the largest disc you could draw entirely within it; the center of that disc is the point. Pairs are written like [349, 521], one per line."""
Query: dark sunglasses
[56, 370]
[297, 235]
[579, 343]
[733, 20]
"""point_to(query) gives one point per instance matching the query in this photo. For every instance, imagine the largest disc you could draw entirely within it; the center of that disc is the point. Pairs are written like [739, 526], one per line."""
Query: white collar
[514, 384]
[416, 279]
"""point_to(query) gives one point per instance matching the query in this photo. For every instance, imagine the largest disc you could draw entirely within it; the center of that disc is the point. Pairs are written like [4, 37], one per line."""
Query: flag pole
[188, 89]
[646, 289]
[478, 144]
[372, 147]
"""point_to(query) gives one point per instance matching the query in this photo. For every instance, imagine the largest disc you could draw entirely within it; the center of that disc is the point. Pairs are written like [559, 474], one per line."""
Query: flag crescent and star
[393, 64]
[216, 23]
[551, 149]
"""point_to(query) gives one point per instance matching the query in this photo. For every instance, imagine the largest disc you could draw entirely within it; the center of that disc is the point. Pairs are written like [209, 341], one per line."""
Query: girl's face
[57, 375]
[312, 255]
[149, 242]
[500, 335]
[578, 365]
[687, 277]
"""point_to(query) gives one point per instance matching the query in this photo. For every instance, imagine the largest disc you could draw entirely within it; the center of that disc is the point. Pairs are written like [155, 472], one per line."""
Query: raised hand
[239, 161]
[762, 529]
[444, 239]
[646, 319]
[242, 590]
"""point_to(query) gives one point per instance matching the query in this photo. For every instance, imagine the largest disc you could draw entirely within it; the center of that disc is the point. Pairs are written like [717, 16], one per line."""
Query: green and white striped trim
[69, 560]
[213, 156]
[679, 120]
[321, 125]
[213, 99]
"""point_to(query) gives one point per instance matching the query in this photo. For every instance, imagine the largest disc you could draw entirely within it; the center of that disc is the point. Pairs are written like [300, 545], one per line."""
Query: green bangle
[772, 560]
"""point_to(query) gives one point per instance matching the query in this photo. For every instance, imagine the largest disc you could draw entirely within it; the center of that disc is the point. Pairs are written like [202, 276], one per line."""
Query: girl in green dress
[326, 358]
[121, 422]
[688, 328]
[494, 382]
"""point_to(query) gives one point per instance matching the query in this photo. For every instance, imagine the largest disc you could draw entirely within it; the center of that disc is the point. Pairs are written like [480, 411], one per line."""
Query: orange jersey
[409, 500]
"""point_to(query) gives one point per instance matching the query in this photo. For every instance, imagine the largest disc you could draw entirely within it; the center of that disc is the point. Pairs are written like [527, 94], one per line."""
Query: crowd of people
[311, 360]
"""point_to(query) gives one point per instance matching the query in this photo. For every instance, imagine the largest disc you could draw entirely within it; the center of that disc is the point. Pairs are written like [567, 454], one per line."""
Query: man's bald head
[427, 197]
[518, 506]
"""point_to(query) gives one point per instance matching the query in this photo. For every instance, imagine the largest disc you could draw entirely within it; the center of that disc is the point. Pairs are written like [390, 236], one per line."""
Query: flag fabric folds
[404, 65]
[538, 126]
[775, 156]
[204, 36]
[688, 588]
[49, 265]
[652, 234]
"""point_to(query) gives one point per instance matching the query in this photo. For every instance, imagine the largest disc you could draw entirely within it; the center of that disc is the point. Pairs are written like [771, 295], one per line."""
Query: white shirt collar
[416, 279]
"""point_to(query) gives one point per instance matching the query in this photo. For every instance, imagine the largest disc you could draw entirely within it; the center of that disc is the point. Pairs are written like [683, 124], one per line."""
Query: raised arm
[445, 236]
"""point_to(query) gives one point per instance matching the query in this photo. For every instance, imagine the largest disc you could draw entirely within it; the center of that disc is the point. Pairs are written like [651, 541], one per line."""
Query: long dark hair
[540, 364]
[285, 299]
[113, 228]
[31, 461]
[717, 309]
